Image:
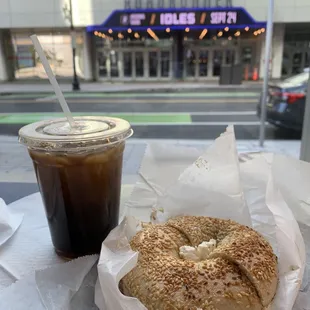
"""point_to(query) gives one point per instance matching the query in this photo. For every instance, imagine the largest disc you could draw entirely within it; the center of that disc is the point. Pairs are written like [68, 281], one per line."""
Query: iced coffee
[79, 176]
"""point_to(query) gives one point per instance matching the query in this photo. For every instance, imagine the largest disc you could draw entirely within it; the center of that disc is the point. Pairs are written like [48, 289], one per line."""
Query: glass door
[102, 61]
[127, 64]
[153, 64]
[139, 64]
[190, 63]
[230, 56]
[164, 63]
[217, 62]
[114, 64]
[203, 60]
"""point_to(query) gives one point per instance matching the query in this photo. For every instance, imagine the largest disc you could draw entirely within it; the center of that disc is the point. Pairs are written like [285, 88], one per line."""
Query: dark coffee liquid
[81, 194]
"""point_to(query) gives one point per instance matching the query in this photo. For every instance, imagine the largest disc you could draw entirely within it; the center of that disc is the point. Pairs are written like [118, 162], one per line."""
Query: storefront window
[58, 50]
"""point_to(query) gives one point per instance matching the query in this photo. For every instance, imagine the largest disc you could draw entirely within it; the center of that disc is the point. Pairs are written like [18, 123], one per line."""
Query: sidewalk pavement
[17, 178]
[43, 86]
[17, 167]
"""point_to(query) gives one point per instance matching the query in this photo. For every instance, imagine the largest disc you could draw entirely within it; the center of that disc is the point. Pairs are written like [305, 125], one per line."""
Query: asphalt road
[154, 116]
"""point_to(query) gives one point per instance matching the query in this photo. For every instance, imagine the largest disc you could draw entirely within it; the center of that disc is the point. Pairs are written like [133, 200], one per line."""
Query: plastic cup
[79, 175]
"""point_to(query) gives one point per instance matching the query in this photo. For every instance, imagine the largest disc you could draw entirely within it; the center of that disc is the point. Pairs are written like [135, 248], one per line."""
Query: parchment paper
[215, 185]
[9, 222]
[61, 287]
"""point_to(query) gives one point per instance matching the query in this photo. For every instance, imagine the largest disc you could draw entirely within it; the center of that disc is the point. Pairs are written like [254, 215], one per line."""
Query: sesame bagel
[178, 268]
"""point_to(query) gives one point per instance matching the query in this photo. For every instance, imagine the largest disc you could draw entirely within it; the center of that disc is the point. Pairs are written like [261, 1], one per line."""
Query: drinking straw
[53, 80]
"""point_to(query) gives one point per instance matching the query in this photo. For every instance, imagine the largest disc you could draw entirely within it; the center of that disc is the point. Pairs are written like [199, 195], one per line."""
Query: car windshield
[298, 79]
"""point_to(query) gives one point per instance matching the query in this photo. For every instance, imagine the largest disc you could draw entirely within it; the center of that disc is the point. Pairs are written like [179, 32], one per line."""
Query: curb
[146, 90]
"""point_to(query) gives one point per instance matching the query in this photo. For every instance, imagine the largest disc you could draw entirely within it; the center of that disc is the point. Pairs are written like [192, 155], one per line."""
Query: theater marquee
[139, 4]
[159, 19]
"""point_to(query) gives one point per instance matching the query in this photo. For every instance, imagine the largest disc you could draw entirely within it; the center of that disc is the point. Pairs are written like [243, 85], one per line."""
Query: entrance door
[230, 57]
[206, 62]
[127, 65]
[139, 64]
[190, 63]
[165, 64]
[159, 64]
[133, 64]
[217, 62]
[203, 63]
[153, 64]
[109, 64]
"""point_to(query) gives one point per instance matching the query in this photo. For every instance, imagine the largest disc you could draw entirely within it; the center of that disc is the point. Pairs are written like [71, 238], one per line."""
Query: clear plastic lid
[90, 132]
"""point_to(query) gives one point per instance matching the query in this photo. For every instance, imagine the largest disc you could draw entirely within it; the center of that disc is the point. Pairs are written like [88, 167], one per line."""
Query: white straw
[53, 80]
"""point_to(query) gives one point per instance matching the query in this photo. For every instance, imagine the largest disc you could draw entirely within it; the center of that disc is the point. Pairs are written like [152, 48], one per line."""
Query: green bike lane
[141, 118]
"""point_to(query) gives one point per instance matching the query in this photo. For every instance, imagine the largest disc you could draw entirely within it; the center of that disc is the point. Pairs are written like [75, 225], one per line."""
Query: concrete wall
[3, 68]
[277, 52]
[51, 13]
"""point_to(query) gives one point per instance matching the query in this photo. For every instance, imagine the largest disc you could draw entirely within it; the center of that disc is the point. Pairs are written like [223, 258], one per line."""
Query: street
[189, 118]
[178, 115]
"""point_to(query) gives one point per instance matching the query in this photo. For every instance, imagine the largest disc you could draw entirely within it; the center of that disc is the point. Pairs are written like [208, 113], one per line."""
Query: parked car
[286, 102]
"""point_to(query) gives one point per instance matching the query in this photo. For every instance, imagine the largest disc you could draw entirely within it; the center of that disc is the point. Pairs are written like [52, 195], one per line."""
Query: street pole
[268, 50]
[305, 140]
[75, 82]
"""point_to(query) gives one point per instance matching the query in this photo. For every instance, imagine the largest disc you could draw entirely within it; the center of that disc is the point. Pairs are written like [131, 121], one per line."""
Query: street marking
[140, 100]
[207, 113]
[153, 93]
[26, 118]
[202, 124]
[224, 113]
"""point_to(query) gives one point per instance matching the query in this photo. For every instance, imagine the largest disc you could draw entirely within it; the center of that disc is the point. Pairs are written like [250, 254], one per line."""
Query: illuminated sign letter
[166, 18]
[183, 18]
[218, 18]
[231, 17]
[191, 18]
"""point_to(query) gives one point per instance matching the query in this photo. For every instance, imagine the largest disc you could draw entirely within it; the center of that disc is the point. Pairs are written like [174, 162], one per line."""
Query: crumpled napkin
[61, 287]
[9, 222]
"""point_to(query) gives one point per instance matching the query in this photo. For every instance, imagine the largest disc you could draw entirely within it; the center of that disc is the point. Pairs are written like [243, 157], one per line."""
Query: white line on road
[200, 124]
[211, 113]
[224, 113]
[144, 100]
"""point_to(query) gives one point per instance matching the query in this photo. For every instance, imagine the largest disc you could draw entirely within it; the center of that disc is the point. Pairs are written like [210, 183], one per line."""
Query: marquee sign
[139, 4]
[160, 19]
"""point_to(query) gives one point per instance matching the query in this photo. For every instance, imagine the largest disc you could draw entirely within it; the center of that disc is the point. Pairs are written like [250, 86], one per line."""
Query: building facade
[152, 40]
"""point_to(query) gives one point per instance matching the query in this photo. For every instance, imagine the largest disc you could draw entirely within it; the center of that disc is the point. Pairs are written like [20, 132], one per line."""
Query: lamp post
[268, 48]
[75, 82]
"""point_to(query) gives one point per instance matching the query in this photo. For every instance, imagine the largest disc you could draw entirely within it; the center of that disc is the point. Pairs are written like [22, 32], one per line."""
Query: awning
[178, 19]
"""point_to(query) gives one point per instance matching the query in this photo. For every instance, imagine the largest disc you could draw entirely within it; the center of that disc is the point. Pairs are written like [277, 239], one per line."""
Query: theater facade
[153, 40]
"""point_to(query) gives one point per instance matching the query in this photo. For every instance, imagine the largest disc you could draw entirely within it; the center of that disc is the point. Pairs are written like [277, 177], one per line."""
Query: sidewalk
[17, 166]
[43, 86]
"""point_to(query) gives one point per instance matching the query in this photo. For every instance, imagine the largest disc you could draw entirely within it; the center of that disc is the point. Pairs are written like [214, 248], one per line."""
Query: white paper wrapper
[9, 222]
[31, 247]
[216, 186]
[61, 287]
